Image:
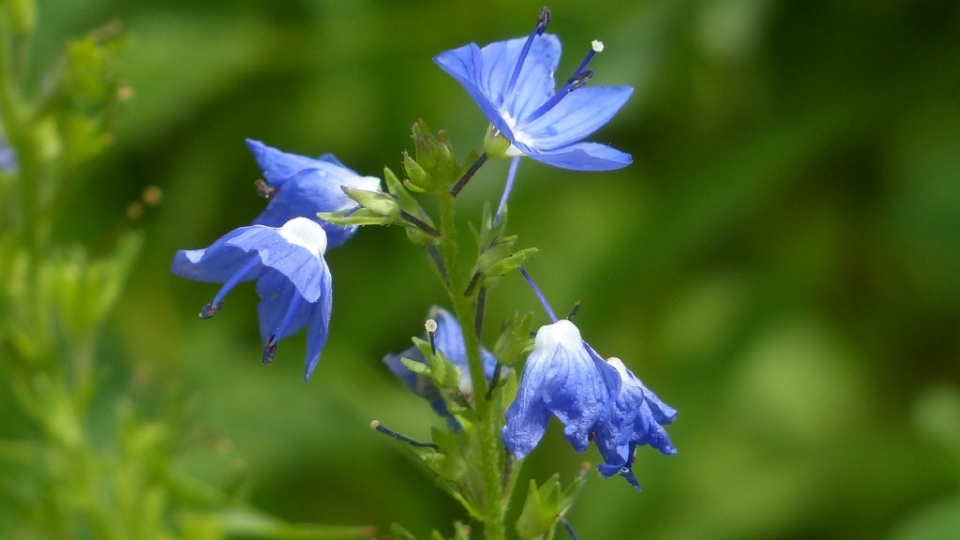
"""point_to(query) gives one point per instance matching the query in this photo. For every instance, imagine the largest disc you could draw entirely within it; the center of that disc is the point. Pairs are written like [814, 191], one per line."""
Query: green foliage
[544, 506]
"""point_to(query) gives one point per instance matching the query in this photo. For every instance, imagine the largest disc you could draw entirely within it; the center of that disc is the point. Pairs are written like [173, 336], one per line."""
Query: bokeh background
[781, 263]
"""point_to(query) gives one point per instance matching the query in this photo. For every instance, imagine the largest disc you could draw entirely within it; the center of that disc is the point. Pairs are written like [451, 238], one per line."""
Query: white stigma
[430, 325]
[597, 45]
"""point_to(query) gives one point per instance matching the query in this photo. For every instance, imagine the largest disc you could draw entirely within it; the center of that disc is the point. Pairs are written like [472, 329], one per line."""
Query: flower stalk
[488, 426]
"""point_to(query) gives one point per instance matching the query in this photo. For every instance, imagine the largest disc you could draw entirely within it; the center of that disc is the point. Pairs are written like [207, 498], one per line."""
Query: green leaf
[545, 505]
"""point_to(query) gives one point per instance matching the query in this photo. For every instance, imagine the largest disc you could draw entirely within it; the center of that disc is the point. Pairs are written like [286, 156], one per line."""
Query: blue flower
[449, 342]
[293, 280]
[562, 379]
[636, 418]
[512, 82]
[301, 187]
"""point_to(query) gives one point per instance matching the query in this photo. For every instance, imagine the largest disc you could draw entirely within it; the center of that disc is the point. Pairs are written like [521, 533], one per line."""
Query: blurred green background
[781, 263]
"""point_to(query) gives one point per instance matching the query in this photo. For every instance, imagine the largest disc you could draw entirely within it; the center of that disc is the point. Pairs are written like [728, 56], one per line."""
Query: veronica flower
[293, 280]
[596, 400]
[448, 340]
[562, 379]
[300, 186]
[636, 418]
[512, 82]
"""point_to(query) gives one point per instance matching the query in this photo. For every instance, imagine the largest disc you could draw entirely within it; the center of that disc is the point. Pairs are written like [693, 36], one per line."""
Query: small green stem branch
[490, 451]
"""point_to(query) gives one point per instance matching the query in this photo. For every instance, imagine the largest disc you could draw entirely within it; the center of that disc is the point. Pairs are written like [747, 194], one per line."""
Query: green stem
[487, 428]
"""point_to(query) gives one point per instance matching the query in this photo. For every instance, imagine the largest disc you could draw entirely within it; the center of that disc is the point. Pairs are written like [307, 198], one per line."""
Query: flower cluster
[283, 250]
[596, 400]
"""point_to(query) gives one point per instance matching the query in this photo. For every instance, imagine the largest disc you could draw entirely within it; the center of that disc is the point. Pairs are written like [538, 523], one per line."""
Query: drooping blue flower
[561, 378]
[293, 280]
[512, 82]
[636, 418]
[448, 340]
[301, 187]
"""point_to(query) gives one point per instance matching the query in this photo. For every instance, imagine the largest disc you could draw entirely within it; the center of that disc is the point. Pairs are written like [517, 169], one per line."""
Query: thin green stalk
[490, 450]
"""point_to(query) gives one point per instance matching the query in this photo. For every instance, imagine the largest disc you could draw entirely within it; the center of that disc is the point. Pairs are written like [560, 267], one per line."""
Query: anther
[265, 190]
[579, 80]
[269, 349]
[210, 309]
[393, 434]
[431, 326]
[543, 19]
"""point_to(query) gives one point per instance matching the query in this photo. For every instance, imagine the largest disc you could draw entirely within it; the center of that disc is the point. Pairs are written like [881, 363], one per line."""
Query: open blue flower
[449, 342]
[512, 82]
[293, 280]
[301, 187]
[636, 418]
[562, 379]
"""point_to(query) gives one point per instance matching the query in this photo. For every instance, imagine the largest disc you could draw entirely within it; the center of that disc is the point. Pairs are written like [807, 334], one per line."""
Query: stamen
[536, 291]
[393, 434]
[210, 310]
[431, 326]
[543, 19]
[270, 346]
[511, 176]
[574, 311]
[577, 80]
[266, 190]
[269, 349]
[213, 307]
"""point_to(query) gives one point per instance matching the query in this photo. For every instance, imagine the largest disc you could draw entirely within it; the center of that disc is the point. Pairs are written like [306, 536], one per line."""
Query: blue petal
[278, 166]
[534, 85]
[577, 116]
[295, 250]
[217, 263]
[560, 378]
[584, 157]
[319, 324]
[466, 65]
[277, 294]
[317, 190]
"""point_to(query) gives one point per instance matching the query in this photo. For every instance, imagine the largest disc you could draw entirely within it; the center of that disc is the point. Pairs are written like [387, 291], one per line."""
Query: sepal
[514, 342]
[411, 209]
[545, 506]
[445, 374]
[378, 202]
